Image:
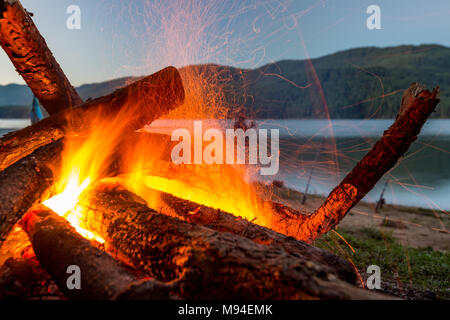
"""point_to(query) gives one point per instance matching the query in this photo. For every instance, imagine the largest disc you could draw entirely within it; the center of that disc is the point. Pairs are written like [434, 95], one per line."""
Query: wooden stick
[29, 180]
[221, 221]
[57, 245]
[32, 58]
[417, 105]
[142, 102]
[202, 263]
[26, 183]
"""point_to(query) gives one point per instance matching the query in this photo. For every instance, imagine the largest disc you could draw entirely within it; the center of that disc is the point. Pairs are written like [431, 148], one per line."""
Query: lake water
[327, 151]
[7, 125]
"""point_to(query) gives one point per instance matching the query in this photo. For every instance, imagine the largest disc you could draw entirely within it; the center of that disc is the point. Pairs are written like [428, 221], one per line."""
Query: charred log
[57, 246]
[221, 221]
[202, 263]
[33, 60]
[417, 105]
[26, 183]
[141, 102]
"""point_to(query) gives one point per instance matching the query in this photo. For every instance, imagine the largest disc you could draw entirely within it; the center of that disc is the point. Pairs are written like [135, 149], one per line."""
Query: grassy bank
[409, 244]
[407, 272]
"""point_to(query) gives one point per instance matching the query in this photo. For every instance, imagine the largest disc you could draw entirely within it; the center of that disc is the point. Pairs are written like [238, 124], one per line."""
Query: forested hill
[356, 83]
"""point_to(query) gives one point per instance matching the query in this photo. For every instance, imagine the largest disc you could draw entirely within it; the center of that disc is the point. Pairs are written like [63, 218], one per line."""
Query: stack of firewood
[183, 250]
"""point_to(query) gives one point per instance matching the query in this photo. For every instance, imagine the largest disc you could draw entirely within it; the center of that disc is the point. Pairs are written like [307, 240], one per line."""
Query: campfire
[85, 190]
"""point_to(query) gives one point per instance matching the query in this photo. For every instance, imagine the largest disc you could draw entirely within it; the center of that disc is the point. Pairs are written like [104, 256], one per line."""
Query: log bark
[26, 183]
[142, 102]
[222, 221]
[57, 245]
[29, 180]
[417, 105]
[225, 222]
[33, 60]
[202, 263]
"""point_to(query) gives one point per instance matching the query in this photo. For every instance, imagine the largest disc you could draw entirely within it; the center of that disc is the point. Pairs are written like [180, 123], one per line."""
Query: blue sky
[119, 38]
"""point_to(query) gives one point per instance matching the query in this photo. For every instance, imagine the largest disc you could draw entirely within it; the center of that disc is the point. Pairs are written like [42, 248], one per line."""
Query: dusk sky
[120, 38]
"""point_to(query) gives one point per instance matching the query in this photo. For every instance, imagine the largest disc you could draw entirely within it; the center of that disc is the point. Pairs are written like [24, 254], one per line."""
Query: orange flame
[84, 161]
[184, 29]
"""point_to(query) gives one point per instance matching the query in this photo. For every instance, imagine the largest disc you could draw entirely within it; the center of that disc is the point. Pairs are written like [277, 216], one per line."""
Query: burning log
[417, 105]
[221, 221]
[226, 222]
[202, 263]
[58, 246]
[26, 183]
[34, 61]
[142, 102]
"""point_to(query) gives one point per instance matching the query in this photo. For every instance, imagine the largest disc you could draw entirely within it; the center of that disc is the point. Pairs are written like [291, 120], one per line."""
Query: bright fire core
[183, 33]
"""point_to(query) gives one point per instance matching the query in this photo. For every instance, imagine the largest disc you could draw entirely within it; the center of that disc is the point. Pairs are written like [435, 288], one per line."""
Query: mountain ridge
[364, 82]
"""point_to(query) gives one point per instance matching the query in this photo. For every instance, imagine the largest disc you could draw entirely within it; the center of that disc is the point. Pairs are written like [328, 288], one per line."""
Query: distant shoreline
[14, 124]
